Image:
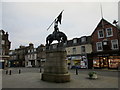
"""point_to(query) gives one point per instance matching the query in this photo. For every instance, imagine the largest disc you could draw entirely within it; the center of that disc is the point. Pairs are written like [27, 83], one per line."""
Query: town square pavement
[31, 78]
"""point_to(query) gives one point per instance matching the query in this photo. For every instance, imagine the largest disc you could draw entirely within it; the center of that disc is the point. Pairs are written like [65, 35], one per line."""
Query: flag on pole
[58, 19]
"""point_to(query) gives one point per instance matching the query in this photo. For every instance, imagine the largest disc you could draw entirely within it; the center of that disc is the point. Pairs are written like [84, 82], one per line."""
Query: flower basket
[92, 75]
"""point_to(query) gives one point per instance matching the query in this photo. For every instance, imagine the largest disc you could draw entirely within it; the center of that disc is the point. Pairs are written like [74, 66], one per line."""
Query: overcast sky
[27, 22]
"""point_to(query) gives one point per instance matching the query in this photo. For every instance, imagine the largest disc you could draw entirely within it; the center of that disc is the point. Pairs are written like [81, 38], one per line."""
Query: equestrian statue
[56, 35]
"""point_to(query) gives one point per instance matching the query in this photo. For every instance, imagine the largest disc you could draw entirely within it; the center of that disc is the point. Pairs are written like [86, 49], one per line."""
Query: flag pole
[50, 25]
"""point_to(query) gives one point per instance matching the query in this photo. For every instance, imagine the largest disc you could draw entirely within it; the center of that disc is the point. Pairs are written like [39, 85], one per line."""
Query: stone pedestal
[55, 69]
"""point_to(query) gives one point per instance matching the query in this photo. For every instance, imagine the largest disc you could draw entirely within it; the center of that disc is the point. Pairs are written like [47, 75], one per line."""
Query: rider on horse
[56, 29]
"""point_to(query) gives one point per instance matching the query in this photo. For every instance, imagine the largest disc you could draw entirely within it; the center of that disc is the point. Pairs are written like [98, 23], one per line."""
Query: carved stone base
[55, 69]
[58, 78]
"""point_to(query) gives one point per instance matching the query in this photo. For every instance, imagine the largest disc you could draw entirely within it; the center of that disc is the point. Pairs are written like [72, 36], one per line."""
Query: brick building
[106, 45]
[4, 48]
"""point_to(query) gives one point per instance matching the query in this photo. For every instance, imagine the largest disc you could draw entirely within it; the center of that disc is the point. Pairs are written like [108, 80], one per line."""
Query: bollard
[40, 70]
[6, 71]
[19, 71]
[10, 72]
[76, 71]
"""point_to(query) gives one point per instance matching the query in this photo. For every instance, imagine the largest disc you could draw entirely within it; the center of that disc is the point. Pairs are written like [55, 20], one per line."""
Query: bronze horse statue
[59, 36]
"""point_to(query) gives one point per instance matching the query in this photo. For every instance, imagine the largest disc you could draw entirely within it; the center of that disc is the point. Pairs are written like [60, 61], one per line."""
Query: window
[34, 49]
[82, 49]
[114, 44]
[28, 51]
[74, 50]
[99, 46]
[109, 32]
[83, 39]
[1, 33]
[3, 42]
[100, 34]
[75, 41]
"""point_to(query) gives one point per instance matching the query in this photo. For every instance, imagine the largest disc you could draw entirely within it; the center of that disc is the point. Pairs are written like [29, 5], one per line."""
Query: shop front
[79, 61]
[106, 61]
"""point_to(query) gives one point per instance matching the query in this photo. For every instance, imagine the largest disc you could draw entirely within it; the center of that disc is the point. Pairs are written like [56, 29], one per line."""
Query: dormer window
[100, 34]
[83, 39]
[75, 41]
[109, 32]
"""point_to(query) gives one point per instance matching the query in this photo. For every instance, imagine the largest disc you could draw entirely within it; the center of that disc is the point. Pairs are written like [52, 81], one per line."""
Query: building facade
[106, 45]
[17, 58]
[78, 52]
[31, 57]
[13, 62]
[4, 48]
[41, 55]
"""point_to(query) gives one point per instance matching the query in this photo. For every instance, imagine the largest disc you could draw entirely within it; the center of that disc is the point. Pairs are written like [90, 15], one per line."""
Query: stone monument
[55, 69]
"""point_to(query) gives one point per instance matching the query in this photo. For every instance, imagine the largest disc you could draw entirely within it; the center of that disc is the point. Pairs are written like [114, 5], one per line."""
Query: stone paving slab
[31, 79]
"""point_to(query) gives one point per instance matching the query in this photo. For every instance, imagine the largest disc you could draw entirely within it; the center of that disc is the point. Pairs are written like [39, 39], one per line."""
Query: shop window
[99, 46]
[82, 49]
[113, 61]
[114, 44]
[96, 62]
[100, 34]
[109, 32]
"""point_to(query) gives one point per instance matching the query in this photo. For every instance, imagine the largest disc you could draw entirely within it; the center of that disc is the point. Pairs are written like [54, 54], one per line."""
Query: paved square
[30, 78]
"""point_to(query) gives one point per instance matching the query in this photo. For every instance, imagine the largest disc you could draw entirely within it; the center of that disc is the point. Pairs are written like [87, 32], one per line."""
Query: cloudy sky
[27, 22]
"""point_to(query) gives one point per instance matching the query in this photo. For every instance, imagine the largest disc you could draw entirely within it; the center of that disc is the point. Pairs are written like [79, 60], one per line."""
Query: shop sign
[103, 55]
[2, 60]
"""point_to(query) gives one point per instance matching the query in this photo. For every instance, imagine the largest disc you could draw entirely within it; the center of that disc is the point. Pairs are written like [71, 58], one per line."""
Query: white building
[31, 58]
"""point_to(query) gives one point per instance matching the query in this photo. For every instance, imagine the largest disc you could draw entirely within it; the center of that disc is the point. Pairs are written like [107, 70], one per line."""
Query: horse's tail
[64, 37]
[47, 39]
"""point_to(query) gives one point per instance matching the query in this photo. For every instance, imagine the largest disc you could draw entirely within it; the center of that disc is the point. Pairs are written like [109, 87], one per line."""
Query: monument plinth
[55, 69]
